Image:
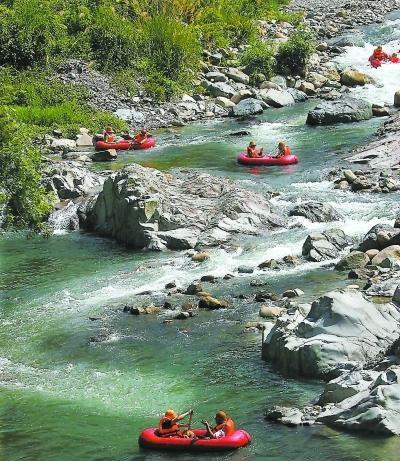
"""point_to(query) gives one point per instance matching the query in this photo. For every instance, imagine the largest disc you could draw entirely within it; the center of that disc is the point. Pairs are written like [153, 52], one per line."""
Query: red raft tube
[124, 144]
[149, 439]
[267, 160]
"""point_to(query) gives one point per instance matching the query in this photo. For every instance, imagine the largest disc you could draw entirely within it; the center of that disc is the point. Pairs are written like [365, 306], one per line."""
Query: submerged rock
[342, 330]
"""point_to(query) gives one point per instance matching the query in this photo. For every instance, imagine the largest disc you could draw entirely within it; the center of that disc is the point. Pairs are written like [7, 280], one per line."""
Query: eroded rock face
[316, 212]
[145, 208]
[343, 329]
[374, 408]
[327, 245]
[69, 180]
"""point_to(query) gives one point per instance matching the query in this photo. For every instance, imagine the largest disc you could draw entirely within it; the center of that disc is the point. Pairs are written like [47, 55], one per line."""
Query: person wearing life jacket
[109, 134]
[283, 150]
[169, 427]
[224, 426]
[394, 58]
[141, 137]
[253, 152]
[379, 54]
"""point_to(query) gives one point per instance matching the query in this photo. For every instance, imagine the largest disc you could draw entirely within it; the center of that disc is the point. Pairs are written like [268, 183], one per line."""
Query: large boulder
[352, 78]
[316, 212]
[348, 40]
[237, 75]
[378, 237]
[240, 95]
[344, 110]
[277, 98]
[104, 155]
[216, 77]
[374, 408]
[342, 330]
[220, 89]
[62, 145]
[145, 208]
[70, 180]
[392, 252]
[354, 260]
[247, 107]
[327, 245]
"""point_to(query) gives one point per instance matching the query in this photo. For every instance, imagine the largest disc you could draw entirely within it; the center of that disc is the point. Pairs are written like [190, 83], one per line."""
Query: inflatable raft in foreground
[267, 160]
[125, 144]
[149, 439]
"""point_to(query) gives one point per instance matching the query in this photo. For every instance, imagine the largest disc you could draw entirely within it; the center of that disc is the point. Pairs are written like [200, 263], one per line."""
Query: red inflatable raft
[124, 144]
[267, 160]
[149, 439]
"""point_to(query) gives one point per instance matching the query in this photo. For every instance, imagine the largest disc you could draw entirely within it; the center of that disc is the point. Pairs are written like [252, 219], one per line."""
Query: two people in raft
[139, 138]
[169, 426]
[253, 152]
[379, 56]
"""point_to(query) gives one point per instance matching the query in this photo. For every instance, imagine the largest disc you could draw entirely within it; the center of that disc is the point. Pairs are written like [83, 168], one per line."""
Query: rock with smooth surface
[342, 330]
[392, 252]
[344, 110]
[316, 211]
[277, 98]
[353, 78]
[246, 108]
[237, 75]
[354, 260]
[221, 89]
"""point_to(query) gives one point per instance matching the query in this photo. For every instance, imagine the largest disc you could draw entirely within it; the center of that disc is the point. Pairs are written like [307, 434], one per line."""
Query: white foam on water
[386, 77]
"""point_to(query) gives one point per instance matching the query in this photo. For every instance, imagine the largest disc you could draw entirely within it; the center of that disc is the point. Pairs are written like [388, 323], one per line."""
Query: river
[79, 379]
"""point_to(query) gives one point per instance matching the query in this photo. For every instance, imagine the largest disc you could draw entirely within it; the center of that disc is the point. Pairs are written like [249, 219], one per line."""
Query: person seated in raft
[379, 54]
[224, 426]
[141, 137]
[283, 150]
[394, 58]
[253, 152]
[169, 427]
[126, 135]
[109, 134]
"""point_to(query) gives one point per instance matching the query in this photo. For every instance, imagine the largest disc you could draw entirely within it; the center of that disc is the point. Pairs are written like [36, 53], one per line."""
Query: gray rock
[279, 80]
[240, 95]
[246, 108]
[216, 58]
[224, 102]
[216, 77]
[290, 417]
[317, 248]
[221, 89]
[371, 241]
[237, 75]
[70, 180]
[62, 145]
[245, 269]
[392, 252]
[373, 410]
[143, 207]
[316, 212]
[396, 101]
[354, 260]
[276, 98]
[342, 330]
[298, 95]
[343, 110]
[348, 40]
[104, 155]
[83, 140]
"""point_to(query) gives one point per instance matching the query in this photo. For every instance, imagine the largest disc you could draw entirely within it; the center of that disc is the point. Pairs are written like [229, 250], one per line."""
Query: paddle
[190, 420]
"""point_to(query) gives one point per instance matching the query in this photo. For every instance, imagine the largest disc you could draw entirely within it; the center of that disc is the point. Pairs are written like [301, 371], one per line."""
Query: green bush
[170, 48]
[259, 58]
[30, 33]
[293, 56]
[112, 40]
[26, 202]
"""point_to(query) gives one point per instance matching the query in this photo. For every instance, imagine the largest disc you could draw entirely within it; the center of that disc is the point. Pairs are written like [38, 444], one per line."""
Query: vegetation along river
[79, 379]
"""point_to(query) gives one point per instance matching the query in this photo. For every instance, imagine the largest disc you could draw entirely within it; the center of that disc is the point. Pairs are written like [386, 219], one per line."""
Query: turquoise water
[79, 378]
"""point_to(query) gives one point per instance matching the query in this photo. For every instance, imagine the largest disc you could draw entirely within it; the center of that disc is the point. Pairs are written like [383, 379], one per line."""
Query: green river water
[79, 379]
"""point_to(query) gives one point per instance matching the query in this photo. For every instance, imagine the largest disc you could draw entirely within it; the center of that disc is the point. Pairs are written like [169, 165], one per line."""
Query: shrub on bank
[259, 58]
[294, 55]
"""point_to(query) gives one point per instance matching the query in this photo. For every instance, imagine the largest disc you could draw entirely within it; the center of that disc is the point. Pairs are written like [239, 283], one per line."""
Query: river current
[79, 379]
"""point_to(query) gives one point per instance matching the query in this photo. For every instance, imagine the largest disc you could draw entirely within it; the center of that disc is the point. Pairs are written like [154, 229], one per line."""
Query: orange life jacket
[227, 426]
[168, 428]
[109, 137]
[287, 151]
[394, 59]
[140, 137]
[252, 152]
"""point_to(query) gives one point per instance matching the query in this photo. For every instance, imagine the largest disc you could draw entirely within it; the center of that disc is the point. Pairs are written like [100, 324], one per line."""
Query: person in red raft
[141, 137]
[394, 58]
[253, 152]
[283, 150]
[109, 134]
[378, 56]
[224, 426]
[169, 425]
